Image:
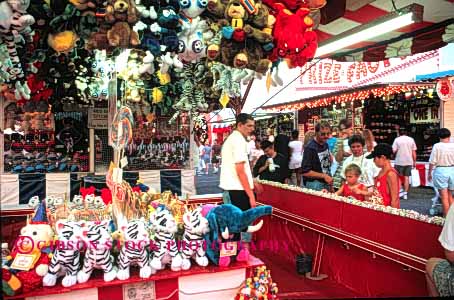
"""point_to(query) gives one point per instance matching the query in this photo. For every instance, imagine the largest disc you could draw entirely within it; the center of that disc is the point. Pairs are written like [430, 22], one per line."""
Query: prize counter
[362, 246]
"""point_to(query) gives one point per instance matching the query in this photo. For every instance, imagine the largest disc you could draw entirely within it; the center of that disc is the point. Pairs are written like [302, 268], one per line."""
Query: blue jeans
[316, 185]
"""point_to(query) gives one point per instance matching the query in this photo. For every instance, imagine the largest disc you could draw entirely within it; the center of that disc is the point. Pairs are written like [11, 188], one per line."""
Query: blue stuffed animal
[227, 220]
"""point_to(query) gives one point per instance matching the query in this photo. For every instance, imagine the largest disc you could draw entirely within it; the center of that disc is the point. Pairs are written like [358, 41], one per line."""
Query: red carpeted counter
[374, 253]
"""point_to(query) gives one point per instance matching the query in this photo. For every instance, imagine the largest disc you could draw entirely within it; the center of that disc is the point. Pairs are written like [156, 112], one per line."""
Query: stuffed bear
[225, 221]
[121, 35]
[34, 240]
[167, 26]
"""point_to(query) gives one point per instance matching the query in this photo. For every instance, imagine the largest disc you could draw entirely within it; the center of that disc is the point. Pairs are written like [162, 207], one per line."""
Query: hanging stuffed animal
[166, 251]
[134, 251]
[66, 258]
[195, 226]
[296, 43]
[16, 22]
[99, 257]
[167, 26]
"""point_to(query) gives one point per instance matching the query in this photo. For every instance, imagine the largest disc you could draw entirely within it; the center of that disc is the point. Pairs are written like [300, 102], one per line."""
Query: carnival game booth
[382, 108]
[375, 251]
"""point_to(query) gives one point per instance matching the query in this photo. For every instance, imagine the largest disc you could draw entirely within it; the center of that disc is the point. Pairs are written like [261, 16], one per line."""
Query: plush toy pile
[260, 286]
[65, 52]
[164, 231]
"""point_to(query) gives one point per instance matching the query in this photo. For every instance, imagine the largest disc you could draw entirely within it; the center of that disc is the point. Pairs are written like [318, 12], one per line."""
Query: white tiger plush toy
[99, 203]
[134, 251]
[195, 226]
[90, 200]
[14, 23]
[97, 256]
[66, 257]
[165, 227]
[34, 202]
[78, 202]
[53, 203]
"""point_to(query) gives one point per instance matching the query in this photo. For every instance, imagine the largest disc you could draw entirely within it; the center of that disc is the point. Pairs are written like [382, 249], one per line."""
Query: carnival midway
[226, 149]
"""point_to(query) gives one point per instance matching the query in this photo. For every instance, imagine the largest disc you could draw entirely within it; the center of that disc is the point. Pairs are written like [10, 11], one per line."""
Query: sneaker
[405, 196]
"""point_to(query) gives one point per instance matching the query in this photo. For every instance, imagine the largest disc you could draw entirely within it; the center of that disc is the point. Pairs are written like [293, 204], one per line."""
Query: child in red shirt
[352, 188]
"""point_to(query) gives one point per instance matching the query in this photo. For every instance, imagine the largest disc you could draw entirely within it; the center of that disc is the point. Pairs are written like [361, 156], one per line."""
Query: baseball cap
[381, 149]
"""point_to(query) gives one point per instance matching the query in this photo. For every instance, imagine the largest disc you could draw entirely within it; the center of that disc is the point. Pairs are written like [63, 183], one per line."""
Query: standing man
[236, 176]
[404, 147]
[281, 142]
[216, 156]
[317, 160]
[271, 166]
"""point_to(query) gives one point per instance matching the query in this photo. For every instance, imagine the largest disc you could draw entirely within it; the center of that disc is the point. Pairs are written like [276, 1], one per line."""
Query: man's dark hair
[295, 134]
[243, 118]
[322, 124]
[344, 124]
[356, 139]
[444, 133]
[403, 130]
[266, 144]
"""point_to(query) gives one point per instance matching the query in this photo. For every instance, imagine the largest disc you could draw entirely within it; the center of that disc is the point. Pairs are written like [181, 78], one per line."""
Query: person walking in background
[440, 272]
[308, 136]
[281, 142]
[387, 182]
[342, 149]
[370, 140]
[272, 165]
[316, 165]
[216, 156]
[404, 147]
[296, 156]
[442, 159]
[236, 176]
[251, 145]
[206, 155]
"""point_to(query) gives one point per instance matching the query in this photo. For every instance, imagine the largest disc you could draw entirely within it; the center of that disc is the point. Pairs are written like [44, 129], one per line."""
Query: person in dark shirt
[271, 166]
[281, 145]
[317, 160]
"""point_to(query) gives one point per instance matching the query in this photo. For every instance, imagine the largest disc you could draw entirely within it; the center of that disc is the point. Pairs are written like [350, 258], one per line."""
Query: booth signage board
[329, 75]
[97, 118]
[424, 115]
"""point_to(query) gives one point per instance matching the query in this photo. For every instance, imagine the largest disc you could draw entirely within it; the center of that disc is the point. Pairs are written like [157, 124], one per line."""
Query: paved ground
[419, 199]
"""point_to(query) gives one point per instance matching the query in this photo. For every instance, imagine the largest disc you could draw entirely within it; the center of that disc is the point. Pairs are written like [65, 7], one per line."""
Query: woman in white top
[296, 156]
[442, 158]
[368, 168]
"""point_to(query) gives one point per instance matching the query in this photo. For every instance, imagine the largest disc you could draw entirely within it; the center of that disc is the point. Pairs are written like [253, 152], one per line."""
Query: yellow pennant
[224, 100]
[268, 82]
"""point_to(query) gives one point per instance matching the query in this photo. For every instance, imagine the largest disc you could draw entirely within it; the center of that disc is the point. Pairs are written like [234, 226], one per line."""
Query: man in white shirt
[440, 272]
[404, 147]
[236, 176]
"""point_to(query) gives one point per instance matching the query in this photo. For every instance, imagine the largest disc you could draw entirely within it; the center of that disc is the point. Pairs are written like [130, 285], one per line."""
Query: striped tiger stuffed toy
[166, 251]
[134, 250]
[66, 257]
[195, 226]
[15, 20]
[99, 241]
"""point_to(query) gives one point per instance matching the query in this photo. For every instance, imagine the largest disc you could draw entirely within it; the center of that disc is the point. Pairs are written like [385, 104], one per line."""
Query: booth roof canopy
[360, 93]
[342, 16]
[434, 76]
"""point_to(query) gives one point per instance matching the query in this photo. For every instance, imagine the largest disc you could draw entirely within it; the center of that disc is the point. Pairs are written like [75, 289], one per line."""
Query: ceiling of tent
[340, 16]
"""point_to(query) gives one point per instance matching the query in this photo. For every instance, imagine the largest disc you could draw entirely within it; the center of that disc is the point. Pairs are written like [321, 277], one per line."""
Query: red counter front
[376, 254]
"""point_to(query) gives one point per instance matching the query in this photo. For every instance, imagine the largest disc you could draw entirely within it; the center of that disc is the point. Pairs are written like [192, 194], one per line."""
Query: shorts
[240, 199]
[443, 178]
[443, 275]
[316, 185]
[294, 165]
[403, 170]
[206, 160]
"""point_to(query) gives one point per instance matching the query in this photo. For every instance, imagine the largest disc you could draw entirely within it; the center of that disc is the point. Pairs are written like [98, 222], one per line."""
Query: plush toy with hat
[31, 245]
[227, 220]
[167, 26]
